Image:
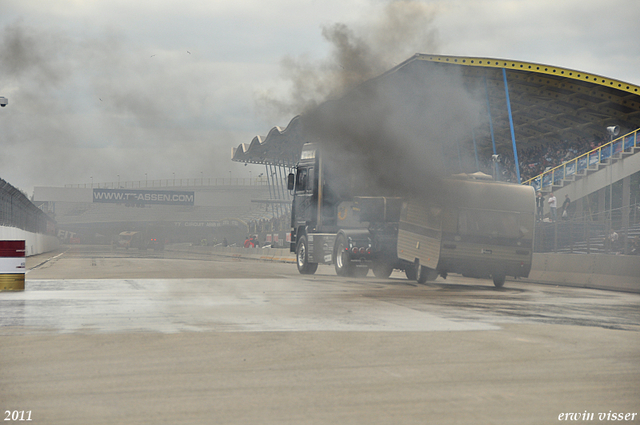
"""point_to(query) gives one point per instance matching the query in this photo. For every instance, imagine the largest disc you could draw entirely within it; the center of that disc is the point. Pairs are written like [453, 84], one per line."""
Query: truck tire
[425, 274]
[382, 269]
[302, 257]
[341, 260]
[498, 280]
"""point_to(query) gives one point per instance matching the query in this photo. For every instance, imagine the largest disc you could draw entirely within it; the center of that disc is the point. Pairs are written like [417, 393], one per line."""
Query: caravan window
[489, 223]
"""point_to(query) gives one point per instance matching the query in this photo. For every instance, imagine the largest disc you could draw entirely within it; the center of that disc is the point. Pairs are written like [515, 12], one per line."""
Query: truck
[475, 227]
[336, 219]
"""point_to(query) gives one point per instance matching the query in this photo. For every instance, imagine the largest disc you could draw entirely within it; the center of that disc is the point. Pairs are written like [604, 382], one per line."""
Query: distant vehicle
[147, 239]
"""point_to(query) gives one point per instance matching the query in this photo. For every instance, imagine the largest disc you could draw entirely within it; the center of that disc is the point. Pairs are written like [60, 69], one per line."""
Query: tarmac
[594, 271]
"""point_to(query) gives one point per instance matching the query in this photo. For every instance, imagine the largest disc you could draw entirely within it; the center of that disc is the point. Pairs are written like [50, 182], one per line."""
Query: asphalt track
[129, 337]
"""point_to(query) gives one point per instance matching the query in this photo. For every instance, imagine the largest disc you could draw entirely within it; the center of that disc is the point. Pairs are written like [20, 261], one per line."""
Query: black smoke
[394, 130]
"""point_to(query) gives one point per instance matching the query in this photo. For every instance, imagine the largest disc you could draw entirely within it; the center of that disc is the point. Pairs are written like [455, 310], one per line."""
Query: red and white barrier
[12, 265]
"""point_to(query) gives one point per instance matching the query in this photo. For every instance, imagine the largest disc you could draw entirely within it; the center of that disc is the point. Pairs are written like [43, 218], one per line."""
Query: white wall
[36, 243]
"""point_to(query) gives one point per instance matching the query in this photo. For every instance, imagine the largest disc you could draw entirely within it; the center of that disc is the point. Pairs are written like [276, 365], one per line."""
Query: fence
[16, 210]
[584, 161]
[588, 233]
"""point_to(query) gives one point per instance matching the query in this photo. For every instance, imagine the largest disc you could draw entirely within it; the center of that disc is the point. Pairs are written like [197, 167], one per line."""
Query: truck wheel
[425, 274]
[341, 260]
[382, 270]
[498, 280]
[411, 272]
[302, 257]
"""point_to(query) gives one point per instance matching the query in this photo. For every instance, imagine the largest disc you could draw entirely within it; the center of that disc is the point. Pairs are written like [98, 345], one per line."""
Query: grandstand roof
[549, 104]
[279, 147]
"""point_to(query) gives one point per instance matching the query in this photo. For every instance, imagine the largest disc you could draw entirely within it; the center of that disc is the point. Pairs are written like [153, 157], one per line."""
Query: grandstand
[524, 108]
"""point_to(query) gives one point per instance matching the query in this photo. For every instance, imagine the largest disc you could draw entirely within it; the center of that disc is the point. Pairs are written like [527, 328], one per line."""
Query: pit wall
[35, 243]
[265, 254]
[596, 271]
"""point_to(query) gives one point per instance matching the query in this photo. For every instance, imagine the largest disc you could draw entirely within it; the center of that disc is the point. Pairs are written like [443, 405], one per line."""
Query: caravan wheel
[382, 269]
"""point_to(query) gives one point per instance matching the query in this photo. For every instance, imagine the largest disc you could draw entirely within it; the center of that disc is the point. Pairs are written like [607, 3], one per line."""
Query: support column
[496, 168]
[626, 201]
[579, 209]
[266, 166]
[513, 134]
[601, 205]
[475, 149]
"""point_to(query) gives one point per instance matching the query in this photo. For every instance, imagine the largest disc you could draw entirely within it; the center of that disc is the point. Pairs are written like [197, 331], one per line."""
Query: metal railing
[197, 182]
[587, 232]
[584, 161]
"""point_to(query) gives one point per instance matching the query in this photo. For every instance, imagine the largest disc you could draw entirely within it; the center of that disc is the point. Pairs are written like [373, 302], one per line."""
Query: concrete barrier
[596, 271]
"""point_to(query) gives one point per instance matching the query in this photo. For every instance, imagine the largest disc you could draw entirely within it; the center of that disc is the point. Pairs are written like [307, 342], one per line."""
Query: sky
[106, 91]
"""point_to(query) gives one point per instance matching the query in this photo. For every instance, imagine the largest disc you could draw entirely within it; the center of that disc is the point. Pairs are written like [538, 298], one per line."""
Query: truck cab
[334, 219]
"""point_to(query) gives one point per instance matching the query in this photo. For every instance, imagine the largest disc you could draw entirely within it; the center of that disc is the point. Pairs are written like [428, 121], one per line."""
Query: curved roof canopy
[279, 147]
[548, 104]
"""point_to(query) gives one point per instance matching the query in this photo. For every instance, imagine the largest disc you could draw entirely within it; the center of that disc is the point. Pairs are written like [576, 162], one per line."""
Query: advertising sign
[139, 196]
[570, 169]
[582, 163]
[629, 142]
[617, 147]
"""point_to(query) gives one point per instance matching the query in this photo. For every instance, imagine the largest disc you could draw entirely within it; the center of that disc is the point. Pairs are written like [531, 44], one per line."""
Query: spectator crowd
[535, 160]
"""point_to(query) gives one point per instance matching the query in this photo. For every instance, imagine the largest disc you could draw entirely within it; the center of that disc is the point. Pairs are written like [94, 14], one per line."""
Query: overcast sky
[133, 90]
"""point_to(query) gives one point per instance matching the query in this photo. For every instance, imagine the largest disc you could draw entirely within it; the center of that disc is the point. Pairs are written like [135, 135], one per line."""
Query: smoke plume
[99, 108]
[392, 131]
[357, 53]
